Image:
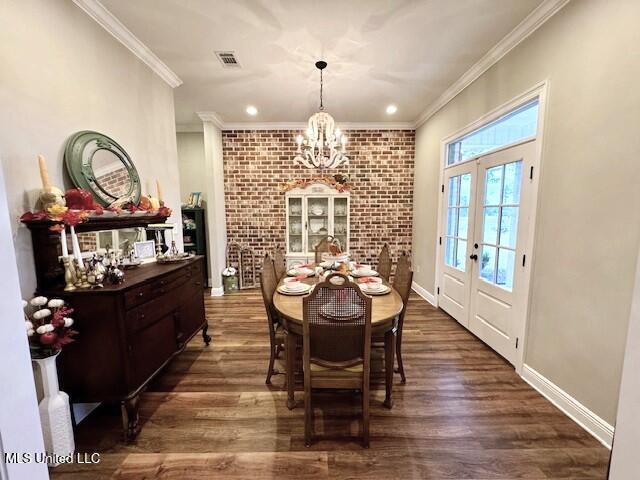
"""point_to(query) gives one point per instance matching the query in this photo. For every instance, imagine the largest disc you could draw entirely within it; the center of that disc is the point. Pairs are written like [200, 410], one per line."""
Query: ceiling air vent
[228, 59]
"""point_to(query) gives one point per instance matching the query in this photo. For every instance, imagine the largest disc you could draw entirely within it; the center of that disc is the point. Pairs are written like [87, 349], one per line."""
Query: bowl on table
[364, 271]
[293, 286]
[297, 270]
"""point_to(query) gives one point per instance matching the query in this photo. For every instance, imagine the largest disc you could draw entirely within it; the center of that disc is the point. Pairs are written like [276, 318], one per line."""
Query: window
[516, 125]
[457, 221]
[500, 223]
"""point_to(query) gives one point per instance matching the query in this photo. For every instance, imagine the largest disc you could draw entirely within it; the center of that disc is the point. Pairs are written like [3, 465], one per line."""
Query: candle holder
[69, 274]
[81, 275]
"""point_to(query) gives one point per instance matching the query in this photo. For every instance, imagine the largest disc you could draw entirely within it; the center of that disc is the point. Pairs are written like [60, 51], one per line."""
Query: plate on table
[295, 271]
[364, 273]
[295, 289]
[374, 288]
[330, 311]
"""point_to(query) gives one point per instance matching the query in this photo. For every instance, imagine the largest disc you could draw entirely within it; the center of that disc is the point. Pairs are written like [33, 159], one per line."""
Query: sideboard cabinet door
[152, 340]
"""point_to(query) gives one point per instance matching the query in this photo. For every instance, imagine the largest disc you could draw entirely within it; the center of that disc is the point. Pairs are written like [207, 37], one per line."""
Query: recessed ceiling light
[391, 109]
[251, 110]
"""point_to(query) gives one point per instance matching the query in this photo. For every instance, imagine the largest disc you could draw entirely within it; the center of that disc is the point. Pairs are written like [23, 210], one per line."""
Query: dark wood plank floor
[463, 414]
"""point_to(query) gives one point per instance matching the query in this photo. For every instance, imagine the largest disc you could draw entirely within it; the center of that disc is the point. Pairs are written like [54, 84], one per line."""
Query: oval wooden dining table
[384, 321]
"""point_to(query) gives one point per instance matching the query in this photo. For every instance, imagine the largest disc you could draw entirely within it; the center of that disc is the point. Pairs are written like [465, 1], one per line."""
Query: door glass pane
[452, 221]
[449, 251]
[465, 189]
[463, 222]
[318, 221]
[488, 263]
[509, 227]
[454, 185]
[340, 221]
[490, 225]
[493, 185]
[461, 254]
[295, 224]
[506, 264]
[512, 177]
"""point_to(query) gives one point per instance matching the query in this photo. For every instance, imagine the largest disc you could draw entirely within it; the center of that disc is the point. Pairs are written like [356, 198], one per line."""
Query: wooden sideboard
[129, 332]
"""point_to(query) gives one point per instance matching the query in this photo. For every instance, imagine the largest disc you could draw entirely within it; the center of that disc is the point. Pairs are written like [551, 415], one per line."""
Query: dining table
[384, 321]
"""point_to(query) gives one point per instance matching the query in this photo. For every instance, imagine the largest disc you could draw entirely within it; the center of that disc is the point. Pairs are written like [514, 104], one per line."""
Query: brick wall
[258, 163]
[117, 182]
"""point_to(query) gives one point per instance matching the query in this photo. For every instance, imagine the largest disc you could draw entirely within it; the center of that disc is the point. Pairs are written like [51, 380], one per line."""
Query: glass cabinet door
[295, 233]
[340, 221]
[317, 221]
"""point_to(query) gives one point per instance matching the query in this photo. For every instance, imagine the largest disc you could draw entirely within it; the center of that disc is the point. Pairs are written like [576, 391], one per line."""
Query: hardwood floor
[463, 414]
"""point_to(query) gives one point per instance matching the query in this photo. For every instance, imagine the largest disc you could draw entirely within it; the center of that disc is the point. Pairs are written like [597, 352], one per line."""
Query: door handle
[473, 257]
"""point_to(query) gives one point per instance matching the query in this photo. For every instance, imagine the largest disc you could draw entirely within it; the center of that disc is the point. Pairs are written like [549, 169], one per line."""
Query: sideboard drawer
[149, 291]
[140, 317]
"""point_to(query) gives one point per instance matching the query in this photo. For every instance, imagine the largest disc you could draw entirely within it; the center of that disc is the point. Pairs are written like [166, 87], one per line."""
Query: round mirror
[98, 164]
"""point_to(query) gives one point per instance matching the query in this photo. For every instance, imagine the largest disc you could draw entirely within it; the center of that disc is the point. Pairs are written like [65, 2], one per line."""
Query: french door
[482, 264]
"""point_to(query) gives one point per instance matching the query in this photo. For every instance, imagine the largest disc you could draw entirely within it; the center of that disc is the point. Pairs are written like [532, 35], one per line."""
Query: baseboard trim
[217, 291]
[580, 414]
[423, 293]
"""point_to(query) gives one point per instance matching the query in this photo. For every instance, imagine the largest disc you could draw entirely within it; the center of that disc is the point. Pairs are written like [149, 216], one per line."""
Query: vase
[55, 414]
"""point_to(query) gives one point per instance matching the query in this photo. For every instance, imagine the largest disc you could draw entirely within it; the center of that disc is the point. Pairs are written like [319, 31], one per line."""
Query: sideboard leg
[205, 337]
[130, 418]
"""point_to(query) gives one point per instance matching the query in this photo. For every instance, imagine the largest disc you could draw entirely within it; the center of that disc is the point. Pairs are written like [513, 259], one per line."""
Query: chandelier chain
[323, 145]
[321, 105]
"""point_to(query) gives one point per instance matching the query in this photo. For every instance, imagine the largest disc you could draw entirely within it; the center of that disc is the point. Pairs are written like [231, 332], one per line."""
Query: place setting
[294, 286]
[373, 286]
[305, 270]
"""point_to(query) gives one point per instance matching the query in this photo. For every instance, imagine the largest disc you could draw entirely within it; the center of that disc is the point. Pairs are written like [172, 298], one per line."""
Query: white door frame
[540, 91]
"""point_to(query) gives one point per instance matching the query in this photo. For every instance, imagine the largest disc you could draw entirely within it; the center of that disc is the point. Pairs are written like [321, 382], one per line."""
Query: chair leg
[272, 359]
[308, 418]
[365, 418]
[399, 355]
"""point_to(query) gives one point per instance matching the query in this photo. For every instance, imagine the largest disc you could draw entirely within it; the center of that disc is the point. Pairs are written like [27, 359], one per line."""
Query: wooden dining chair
[268, 284]
[402, 284]
[336, 344]
[279, 263]
[323, 247]
[384, 263]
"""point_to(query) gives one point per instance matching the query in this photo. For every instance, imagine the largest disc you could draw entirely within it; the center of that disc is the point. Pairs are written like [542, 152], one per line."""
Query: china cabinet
[312, 213]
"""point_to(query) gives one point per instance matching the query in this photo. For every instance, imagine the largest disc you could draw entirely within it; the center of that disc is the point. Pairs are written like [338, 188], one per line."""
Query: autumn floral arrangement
[77, 205]
[48, 325]
[339, 182]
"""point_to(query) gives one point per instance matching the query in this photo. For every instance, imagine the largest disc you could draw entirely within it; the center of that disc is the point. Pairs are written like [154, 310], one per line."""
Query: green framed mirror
[98, 164]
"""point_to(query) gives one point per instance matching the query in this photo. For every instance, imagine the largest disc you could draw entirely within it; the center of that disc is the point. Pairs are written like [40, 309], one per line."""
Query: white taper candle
[76, 245]
[63, 242]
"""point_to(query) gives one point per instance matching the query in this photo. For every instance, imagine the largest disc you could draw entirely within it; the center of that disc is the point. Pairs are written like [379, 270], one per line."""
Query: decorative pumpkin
[79, 199]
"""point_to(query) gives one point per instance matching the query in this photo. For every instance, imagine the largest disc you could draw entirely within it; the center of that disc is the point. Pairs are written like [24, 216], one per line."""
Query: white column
[624, 461]
[19, 419]
[216, 215]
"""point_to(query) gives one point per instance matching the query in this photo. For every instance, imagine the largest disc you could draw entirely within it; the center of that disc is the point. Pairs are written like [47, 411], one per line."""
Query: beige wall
[61, 72]
[587, 230]
[191, 164]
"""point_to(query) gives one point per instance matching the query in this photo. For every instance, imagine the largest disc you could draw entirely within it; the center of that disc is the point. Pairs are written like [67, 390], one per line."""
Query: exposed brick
[258, 163]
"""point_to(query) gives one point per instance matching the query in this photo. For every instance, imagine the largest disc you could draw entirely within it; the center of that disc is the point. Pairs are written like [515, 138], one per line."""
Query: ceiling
[380, 52]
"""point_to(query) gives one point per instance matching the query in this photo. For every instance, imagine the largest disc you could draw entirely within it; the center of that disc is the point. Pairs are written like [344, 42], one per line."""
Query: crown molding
[116, 28]
[212, 117]
[530, 24]
[218, 122]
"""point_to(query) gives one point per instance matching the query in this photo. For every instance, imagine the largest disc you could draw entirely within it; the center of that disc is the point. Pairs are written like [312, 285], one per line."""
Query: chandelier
[323, 145]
